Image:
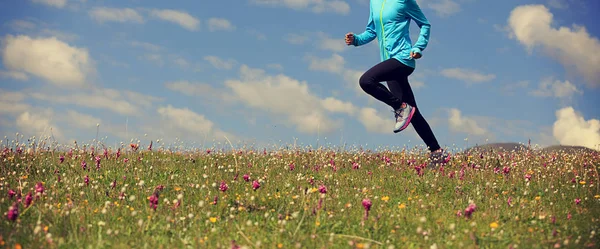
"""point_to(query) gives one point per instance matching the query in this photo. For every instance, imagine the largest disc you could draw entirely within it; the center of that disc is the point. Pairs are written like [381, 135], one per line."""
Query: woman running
[389, 22]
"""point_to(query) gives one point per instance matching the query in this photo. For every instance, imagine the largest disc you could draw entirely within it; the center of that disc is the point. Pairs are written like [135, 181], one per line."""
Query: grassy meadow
[142, 197]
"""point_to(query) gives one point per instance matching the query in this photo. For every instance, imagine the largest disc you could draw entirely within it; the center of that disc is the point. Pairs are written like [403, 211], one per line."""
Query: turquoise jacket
[389, 21]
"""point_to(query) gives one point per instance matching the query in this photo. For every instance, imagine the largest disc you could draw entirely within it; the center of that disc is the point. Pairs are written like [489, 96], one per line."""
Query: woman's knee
[366, 81]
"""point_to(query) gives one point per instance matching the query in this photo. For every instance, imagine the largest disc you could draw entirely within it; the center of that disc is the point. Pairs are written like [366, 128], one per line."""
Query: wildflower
[61, 158]
[322, 189]
[509, 201]
[385, 198]
[292, 166]
[246, 177]
[213, 219]
[469, 210]
[153, 200]
[28, 199]
[528, 177]
[13, 212]
[223, 187]
[39, 188]
[367, 205]
[86, 180]
[402, 206]
[97, 159]
[255, 185]
[577, 201]
[83, 165]
[11, 193]
[355, 165]
[506, 170]
[494, 225]
[113, 184]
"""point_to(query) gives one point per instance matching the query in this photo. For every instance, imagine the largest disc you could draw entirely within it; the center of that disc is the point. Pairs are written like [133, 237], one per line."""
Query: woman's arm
[414, 11]
[369, 33]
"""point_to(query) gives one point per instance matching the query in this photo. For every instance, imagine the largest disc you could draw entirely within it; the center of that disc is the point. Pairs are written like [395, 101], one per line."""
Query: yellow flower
[385, 198]
[537, 198]
[582, 182]
[279, 245]
[597, 196]
[402, 206]
[494, 225]
[213, 219]
[177, 188]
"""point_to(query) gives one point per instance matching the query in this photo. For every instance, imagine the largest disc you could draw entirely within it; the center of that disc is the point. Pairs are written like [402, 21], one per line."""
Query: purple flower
[322, 189]
[11, 193]
[13, 212]
[246, 177]
[292, 166]
[255, 185]
[86, 180]
[28, 199]
[223, 187]
[61, 158]
[39, 188]
[83, 165]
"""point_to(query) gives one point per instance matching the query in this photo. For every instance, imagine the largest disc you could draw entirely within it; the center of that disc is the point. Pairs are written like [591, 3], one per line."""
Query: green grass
[408, 210]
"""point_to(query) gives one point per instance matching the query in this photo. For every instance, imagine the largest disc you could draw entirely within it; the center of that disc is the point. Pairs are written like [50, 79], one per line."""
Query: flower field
[137, 196]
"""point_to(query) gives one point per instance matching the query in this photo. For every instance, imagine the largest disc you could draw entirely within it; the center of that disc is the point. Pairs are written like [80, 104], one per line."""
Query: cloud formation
[531, 25]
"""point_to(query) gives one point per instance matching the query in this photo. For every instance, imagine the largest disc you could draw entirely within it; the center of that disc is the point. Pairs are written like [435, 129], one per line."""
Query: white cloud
[325, 42]
[192, 88]
[287, 98]
[572, 129]
[531, 25]
[154, 58]
[181, 18]
[219, 63]
[22, 25]
[555, 88]
[373, 122]
[334, 64]
[185, 123]
[442, 8]
[296, 39]
[467, 75]
[105, 14]
[81, 120]
[146, 45]
[39, 124]
[12, 102]
[215, 24]
[52, 3]
[48, 58]
[316, 6]
[335, 105]
[14, 75]
[126, 103]
[460, 123]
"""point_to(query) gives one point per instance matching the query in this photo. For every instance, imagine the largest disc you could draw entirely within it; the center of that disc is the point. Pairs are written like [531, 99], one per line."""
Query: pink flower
[86, 180]
[246, 177]
[509, 201]
[577, 201]
[13, 212]
[367, 204]
[292, 166]
[28, 199]
[39, 188]
[506, 170]
[97, 159]
[11, 193]
[153, 200]
[255, 185]
[322, 189]
[470, 210]
[528, 177]
[355, 165]
[83, 165]
[61, 158]
[223, 187]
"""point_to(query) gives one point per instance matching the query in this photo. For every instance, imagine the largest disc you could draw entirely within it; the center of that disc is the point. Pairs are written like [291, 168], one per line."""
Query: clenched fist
[349, 38]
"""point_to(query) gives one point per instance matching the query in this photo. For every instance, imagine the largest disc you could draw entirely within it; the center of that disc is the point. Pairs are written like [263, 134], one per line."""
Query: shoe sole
[412, 112]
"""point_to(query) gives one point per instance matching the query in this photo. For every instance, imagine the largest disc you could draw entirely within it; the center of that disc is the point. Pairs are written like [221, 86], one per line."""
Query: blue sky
[275, 72]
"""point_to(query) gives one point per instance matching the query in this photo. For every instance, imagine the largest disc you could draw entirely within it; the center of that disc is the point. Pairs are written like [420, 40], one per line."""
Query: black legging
[396, 75]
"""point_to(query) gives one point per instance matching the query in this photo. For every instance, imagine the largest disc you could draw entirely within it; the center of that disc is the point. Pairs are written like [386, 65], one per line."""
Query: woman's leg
[371, 80]
[402, 88]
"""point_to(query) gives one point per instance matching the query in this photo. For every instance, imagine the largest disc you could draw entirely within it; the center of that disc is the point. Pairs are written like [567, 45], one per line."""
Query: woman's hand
[349, 39]
[415, 55]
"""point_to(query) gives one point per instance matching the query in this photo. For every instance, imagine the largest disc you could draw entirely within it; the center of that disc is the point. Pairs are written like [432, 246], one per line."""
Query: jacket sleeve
[414, 11]
[369, 34]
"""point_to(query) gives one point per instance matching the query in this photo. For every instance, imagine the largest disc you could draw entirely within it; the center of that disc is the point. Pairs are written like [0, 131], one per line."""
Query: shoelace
[398, 113]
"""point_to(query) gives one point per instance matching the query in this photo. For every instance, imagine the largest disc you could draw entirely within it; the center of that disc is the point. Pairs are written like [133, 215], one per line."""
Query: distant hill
[568, 149]
[498, 147]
